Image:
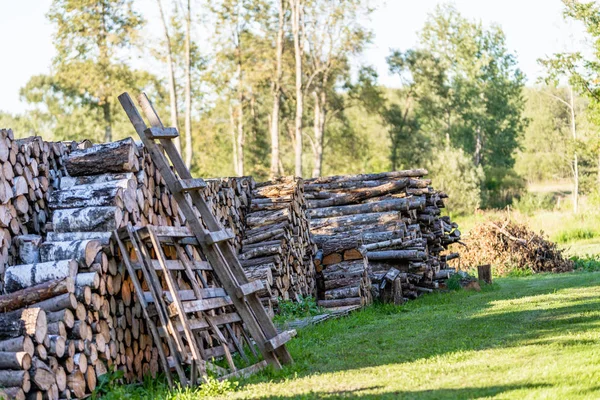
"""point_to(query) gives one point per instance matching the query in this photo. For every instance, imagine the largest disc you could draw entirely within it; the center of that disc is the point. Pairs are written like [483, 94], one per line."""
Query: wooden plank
[187, 185]
[202, 323]
[161, 133]
[150, 323]
[201, 305]
[249, 288]
[246, 372]
[167, 231]
[219, 236]
[222, 258]
[280, 340]
[175, 265]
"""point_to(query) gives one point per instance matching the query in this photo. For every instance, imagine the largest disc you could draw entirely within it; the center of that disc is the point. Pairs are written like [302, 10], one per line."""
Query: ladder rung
[219, 236]
[176, 265]
[280, 340]
[187, 185]
[249, 288]
[161, 133]
[202, 323]
[201, 305]
[188, 294]
[246, 372]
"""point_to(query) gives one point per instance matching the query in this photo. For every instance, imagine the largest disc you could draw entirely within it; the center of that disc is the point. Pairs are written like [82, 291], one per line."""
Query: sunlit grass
[524, 338]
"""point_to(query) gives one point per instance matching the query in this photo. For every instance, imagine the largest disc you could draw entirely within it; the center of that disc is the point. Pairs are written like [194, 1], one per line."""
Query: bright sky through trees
[534, 29]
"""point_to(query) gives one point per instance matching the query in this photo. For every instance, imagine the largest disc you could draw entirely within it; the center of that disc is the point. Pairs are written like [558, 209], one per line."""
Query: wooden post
[484, 272]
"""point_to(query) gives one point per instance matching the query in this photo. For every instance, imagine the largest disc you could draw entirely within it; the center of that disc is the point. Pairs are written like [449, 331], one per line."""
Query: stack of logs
[277, 247]
[28, 168]
[379, 235]
[230, 201]
[100, 322]
[96, 317]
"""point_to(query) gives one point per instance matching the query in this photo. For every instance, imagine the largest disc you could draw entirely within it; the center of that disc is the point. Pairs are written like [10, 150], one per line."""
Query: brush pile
[508, 245]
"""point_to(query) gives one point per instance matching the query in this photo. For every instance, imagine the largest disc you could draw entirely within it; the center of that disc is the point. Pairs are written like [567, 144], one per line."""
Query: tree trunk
[296, 22]
[240, 125]
[171, 72]
[107, 122]
[319, 128]
[233, 140]
[188, 88]
[277, 95]
[575, 159]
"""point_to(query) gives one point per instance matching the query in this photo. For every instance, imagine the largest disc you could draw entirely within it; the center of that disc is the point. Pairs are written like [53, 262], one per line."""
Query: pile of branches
[508, 246]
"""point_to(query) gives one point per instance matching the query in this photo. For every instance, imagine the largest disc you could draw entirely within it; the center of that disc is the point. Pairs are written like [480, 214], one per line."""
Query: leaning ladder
[213, 239]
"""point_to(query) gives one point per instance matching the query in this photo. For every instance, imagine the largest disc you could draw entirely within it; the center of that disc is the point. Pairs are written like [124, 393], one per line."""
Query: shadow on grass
[462, 393]
[443, 323]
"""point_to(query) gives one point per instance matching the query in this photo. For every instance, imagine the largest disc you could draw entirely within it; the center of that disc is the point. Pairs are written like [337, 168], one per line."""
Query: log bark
[35, 294]
[23, 276]
[83, 251]
[30, 321]
[110, 157]
[15, 360]
[87, 219]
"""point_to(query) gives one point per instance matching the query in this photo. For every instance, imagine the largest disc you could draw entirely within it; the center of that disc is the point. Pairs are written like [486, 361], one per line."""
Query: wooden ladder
[211, 237]
[197, 324]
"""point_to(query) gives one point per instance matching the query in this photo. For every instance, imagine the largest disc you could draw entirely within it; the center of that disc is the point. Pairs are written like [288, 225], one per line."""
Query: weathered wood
[484, 273]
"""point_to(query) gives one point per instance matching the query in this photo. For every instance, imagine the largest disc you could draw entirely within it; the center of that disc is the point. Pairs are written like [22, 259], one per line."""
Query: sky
[534, 29]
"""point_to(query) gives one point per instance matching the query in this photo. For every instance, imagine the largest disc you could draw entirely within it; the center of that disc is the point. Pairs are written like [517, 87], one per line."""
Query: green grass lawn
[524, 338]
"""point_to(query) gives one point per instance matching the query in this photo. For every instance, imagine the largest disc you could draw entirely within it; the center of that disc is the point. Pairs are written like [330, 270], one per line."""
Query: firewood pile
[508, 245]
[89, 316]
[29, 168]
[230, 200]
[378, 235]
[277, 247]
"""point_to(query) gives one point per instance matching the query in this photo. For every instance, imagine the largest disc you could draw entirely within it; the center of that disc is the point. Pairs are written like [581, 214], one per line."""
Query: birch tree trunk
[188, 88]
[107, 122]
[296, 21]
[276, 96]
[233, 140]
[319, 128]
[171, 72]
[575, 159]
[240, 124]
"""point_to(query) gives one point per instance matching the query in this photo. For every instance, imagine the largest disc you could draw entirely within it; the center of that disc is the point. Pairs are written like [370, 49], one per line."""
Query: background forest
[275, 87]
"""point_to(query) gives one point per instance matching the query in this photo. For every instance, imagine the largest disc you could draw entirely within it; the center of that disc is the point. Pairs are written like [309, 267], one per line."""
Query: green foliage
[529, 203]
[573, 235]
[454, 282]
[455, 174]
[107, 382]
[587, 263]
[214, 387]
[305, 307]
